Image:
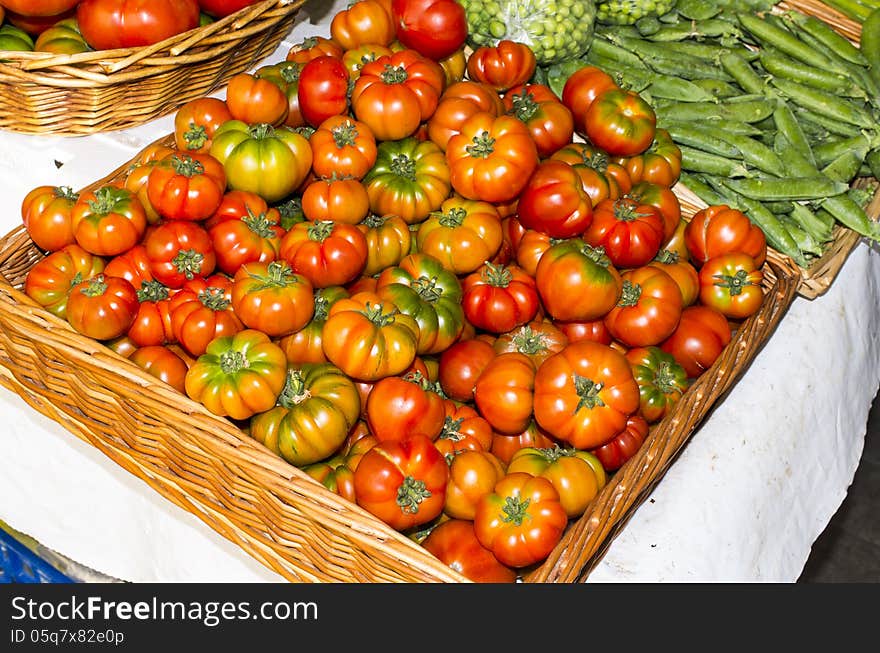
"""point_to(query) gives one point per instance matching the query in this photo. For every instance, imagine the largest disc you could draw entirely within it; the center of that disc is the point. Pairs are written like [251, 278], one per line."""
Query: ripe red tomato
[581, 88]
[361, 23]
[460, 366]
[699, 339]
[186, 186]
[109, 24]
[503, 66]
[164, 364]
[253, 99]
[434, 28]
[554, 201]
[732, 284]
[719, 229]
[196, 121]
[624, 445]
[402, 483]
[499, 298]
[630, 232]
[50, 278]
[39, 7]
[401, 406]
[323, 89]
[221, 8]
[621, 122]
[180, 250]
[45, 213]
[649, 308]
[455, 544]
[102, 307]
[108, 220]
[272, 298]
[504, 392]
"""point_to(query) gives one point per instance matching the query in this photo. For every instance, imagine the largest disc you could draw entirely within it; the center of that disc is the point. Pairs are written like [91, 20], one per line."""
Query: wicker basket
[272, 510]
[85, 93]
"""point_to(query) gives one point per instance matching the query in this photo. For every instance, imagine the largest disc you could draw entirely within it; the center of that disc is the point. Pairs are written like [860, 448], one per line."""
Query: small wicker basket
[271, 509]
[89, 92]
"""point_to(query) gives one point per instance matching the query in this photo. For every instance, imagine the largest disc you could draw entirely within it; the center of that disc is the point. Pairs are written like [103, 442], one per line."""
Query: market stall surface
[848, 551]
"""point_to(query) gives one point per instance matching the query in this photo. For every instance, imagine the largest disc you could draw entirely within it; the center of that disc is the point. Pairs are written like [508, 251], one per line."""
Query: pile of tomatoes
[458, 301]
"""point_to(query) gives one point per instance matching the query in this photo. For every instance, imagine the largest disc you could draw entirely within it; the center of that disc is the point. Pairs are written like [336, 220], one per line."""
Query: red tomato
[402, 483]
[401, 406]
[699, 339]
[589, 330]
[196, 121]
[434, 28]
[152, 324]
[630, 232]
[50, 278]
[624, 445]
[255, 100]
[504, 392]
[461, 365]
[244, 229]
[472, 474]
[504, 446]
[39, 7]
[323, 89]
[463, 430]
[538, 340]
[361, 23]
[186, 186]
[179, 250]
[621, 122]
[324, 252]
[649, 308]
[581, 88]
[732, 283]
[549, 121]
[456, 545]
[719, 229]
[502, 66]
[164, 364]
[109, 24]
[272, 298]
[554, 202]
[108, 220]
[201, 313]
[499, 298]
[45, 213]
[102, 307]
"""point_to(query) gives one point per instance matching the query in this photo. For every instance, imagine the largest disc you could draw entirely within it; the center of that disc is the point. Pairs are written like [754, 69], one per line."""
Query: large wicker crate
[271, 509]
[90, 92]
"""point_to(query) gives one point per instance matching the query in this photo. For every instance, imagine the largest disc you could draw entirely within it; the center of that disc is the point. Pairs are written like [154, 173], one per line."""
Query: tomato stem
[291, 213]
[630, 293]
[66, 193]
[322, 306]
[529, 342]
[261, 130]
[626, 210]
[232, 362]
[515, 510]
[496, 274]
[734, 283]
[320, 230]
[452, 429]
[152, 291]
[187, 166]
[106, 199]
[345, 135]
[667, 256]
[664, 378]
[279, 274]
[403, 166]
[214, 299]
[195, 137]
[260, 224]
[294, 391]
[375, 315]
[95, 287]
[188, 262]
[453, 217]
[410, 494]
[290, 71]
[524, 105]
[596, 254]
[394, 74]
[588, 391]
[373, 221]
[427, 289]
[483, 147]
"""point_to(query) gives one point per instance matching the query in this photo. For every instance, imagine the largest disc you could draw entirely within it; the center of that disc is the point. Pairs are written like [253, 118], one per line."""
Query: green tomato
[15, 39]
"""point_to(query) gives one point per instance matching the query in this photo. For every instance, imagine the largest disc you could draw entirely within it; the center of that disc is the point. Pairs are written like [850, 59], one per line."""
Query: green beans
[824, 103]
[770, 35]
[787, 188]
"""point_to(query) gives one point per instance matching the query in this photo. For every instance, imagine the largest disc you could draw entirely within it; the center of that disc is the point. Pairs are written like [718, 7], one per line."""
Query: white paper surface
[744, 501]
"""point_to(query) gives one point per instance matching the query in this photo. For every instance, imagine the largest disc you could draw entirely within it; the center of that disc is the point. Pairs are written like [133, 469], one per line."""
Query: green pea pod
[846, 166]
[779, 65]
[830, 125]
[755, 153]
[778, 237]
[805, 241]
[831, 149]
[718, 89]
[821, 230]
[697, 9]
[742, 73]
[790, 128]
[702, 138]
[701, 189]
[751, 110]
[824, 103]
[697, 29]
[605, 48]
[769, 34]
[870, 43]
[699, 161]
[815, 187]
[825, 34]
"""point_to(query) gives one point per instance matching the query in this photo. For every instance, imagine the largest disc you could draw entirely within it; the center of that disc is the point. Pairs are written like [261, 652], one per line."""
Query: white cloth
[745, 500]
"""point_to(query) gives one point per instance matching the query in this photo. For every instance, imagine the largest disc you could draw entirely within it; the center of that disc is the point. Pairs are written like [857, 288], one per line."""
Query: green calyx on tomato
[376, 314]
[524, 105]
[394, 74]
[260, 223]
[528, 341]
[106, 199]
[496, 274]
[96, 287]
[734, 283]
[453, 218]
[65, 193]
[588, 393]
[188, 262]
[232, 361]
[291, 213]
[279, 274]
[427, 289]
[667, 377]
[320, 230]
[411, 493]
[187, 166]
[214, 298]
[515, 510]
[483, 147]
[403, 166]
[152, 291]
[345, 135]
[627, 211]
[667, 256]
[294, 391]
[630, 293]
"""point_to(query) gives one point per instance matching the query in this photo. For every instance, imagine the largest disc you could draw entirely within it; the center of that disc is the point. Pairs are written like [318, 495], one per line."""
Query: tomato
[732, 283]
[577, 282]
[152, 323]
[531, 248]
[402, 483]
[323, 89]
[554, 201]
[421, 287]
[586, 330]
[395, 93]
[620, 122]
[400, 406]
[285, 75]
[581, 88]
[239, 375]
[244, 230]
[454, 66]
[222, 8]
[186, 186]
[521, 520]
[504, 445]
[313, 47]
[447, 119]
[111, 24]
[342, 200]
[663, 199]
[682, 272]
[629, 231]
[600, 176]
[60, 36]
[699, 339]
[324, 252]
[196, 122]
[460, 366]
[577, 475]
[253, 100]
[46, 215]
[314, 413]
[179, 250]
[491, 158]
[198, 316]
[388, 241]
[659, 164]
[355, 58]
[162, 363]
[720, 229]
[456, 545]
[502, 66]
[434, 28]
[463, 235]
[537, 339]
[584, 394]
[108, 220]
[344, 147]
[464, 429]
[623, 446]
[369, 338]
[504, 392]
[549, 121]
[133, 265]
[102, 307]
[410, 178]
[305, 345]
[39, 8]
[472, 474]
[272, 298]
[483, 95]
[50, 279]
[662, 381]
[649, 308]
[361, 23]
[337, 472]
[271, 162]
[499, 298]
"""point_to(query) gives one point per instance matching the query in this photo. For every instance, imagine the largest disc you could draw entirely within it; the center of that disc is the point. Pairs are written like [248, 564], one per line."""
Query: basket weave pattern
[105, 90]
[281, 517]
